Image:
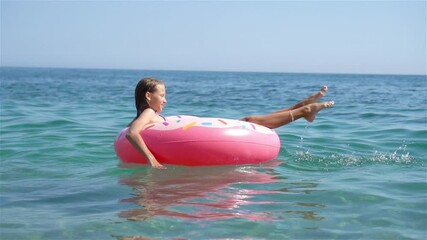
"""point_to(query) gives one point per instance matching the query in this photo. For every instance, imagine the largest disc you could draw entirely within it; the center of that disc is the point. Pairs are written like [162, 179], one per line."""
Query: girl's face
[157, 99]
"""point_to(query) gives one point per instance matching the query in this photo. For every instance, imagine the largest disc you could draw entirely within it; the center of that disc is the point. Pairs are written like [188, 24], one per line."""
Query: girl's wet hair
[144, 85]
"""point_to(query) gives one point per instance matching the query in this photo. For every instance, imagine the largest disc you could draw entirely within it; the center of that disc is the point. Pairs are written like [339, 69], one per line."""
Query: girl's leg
[283, 117]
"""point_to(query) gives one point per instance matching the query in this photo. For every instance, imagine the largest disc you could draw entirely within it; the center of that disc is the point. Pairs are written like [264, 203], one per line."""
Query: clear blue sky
[277, 36]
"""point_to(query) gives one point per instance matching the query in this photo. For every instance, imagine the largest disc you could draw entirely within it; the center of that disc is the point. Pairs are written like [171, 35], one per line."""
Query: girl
[150, 98]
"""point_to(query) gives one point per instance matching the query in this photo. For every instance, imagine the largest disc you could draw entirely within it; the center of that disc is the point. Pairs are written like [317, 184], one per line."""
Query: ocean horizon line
[213, 71]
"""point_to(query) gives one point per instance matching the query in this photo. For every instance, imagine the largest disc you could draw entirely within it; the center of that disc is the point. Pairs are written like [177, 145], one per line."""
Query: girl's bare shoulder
[151, 116]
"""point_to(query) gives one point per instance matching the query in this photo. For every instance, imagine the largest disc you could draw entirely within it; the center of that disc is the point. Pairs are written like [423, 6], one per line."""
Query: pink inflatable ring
[193, 141]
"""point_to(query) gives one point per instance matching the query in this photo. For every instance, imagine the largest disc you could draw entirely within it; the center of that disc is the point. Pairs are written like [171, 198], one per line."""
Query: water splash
[305, 159]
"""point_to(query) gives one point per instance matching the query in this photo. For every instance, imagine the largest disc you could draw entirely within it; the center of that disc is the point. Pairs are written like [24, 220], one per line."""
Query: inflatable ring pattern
[194, 141]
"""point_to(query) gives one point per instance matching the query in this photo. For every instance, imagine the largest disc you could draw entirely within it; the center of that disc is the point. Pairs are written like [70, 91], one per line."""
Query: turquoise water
[357, 172]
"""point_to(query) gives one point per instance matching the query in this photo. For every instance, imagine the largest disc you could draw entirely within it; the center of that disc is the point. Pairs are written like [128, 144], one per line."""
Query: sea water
[357, 172]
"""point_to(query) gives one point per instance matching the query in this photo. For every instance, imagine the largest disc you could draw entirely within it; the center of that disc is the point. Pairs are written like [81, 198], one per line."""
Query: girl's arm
[136, 140]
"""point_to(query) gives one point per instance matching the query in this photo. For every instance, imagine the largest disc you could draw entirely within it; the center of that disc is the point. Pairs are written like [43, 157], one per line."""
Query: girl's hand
[154, 163]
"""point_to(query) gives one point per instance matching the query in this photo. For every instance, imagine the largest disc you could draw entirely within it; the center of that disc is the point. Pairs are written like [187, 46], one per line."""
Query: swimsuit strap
[162, 116]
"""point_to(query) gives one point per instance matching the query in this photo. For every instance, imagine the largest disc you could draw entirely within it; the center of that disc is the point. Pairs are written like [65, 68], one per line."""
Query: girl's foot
[313, 108]
[313, 98]
[319, 94]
